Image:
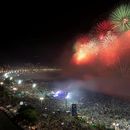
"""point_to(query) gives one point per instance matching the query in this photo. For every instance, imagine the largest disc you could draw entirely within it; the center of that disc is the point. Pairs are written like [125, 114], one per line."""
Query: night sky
[44, 34]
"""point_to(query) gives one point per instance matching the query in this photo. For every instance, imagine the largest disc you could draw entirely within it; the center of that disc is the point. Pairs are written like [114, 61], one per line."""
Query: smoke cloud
[109, 71]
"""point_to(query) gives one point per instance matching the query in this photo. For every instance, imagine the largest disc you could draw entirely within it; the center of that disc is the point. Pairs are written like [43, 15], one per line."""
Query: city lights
[11, 78]
[21, 103]
[34, 85]
[41, 98]
[15, 89]
[1, 83]
[75, 77]
[6, 75]
[19, 82]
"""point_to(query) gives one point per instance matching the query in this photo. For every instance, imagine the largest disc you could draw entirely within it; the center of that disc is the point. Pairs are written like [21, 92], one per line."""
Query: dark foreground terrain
[5, 123]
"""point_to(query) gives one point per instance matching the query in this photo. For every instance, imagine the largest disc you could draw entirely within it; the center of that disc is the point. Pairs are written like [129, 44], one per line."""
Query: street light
[21, 103]
[19, 82]
[34, 85]
[6, 75]
[1, 83]
[116, 126]
[11, 78]
[41, 99]
[15, 89]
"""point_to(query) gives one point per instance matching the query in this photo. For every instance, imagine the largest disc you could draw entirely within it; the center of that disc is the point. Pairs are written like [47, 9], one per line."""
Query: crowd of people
[93, 109]
[111, 111]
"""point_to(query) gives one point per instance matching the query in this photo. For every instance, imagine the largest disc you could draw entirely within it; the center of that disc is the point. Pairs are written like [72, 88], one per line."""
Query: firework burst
[121, 18]
[81, 42]
[86, 52]
[104, 27]
[109, 39]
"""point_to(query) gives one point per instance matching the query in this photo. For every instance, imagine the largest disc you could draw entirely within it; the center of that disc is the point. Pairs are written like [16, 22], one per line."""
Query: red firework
[104, 27]
[83, 39]
[81, 42]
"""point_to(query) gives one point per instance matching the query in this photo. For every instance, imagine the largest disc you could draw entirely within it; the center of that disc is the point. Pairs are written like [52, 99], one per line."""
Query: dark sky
[43, 33]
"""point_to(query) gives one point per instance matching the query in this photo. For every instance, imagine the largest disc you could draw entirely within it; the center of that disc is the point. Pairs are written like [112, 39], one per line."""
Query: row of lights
[34, 85]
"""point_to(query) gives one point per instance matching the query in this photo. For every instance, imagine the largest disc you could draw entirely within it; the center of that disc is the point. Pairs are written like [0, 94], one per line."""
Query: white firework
[108, 39]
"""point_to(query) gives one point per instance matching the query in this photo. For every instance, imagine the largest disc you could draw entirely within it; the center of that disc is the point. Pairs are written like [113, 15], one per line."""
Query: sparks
[121, 18]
